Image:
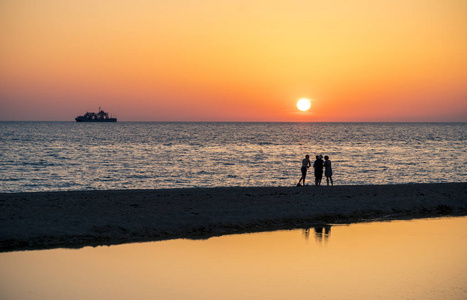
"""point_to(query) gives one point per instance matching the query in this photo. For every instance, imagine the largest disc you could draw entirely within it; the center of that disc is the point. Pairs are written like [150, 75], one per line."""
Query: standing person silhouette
[306, 163]
[328, 169]
[318, 165]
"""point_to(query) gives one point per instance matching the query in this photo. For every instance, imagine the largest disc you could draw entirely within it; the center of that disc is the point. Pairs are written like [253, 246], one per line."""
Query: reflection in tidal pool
[418, 259]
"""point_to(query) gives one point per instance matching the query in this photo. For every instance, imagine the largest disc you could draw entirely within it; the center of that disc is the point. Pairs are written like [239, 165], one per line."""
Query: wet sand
[89, 218]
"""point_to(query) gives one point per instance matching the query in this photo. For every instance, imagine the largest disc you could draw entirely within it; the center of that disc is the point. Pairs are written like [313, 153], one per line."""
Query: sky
[210, 60]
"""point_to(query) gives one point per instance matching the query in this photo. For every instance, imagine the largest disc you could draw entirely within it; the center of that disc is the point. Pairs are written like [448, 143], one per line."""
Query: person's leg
[330, 177]
[303, 176]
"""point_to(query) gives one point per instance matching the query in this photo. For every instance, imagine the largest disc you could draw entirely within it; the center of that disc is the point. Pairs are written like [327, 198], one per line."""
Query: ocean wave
[59, 155]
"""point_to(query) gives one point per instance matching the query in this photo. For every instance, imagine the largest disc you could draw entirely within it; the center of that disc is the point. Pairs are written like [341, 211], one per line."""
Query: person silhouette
[318, 166]
[306, 163]
[328, 169]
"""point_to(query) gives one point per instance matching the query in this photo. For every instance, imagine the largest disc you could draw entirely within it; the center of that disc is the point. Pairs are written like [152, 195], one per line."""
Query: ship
[101, 116]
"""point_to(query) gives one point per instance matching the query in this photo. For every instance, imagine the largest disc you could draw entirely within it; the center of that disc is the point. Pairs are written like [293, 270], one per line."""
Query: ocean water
[52, 156]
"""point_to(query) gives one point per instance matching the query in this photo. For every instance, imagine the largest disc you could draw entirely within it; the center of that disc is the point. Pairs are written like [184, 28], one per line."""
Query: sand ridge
[82, 218]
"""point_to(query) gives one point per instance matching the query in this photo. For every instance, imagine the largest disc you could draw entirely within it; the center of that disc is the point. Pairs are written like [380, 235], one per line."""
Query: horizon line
[187, 121]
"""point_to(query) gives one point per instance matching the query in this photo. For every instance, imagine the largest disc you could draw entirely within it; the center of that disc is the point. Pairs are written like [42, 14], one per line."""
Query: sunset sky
[211, 60]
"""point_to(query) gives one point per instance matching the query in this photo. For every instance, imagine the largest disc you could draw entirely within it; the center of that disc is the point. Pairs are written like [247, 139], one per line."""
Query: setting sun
[303, 104]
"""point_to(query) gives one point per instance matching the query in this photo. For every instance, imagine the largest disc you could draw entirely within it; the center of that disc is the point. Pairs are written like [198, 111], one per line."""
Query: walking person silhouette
[306, 163]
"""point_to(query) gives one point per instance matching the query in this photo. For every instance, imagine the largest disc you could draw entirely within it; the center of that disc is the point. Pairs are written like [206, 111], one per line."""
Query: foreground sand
[77, 219]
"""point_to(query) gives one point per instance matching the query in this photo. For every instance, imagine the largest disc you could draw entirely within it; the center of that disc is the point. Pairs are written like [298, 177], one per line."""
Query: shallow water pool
[417, 259]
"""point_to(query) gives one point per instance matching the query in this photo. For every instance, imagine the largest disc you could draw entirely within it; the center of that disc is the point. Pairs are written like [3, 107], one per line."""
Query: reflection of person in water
[322, 233]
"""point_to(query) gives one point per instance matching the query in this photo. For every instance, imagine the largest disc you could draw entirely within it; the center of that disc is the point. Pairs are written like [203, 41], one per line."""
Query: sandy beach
[89, 218]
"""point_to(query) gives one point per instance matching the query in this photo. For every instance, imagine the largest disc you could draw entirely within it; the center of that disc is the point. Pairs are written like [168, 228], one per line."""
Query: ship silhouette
[101, 116]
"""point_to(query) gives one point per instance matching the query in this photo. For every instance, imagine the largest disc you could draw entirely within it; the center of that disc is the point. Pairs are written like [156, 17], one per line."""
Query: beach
[75, 219]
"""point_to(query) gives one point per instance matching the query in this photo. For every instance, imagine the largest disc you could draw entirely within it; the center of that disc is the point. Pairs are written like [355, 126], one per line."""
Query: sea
[68, 156]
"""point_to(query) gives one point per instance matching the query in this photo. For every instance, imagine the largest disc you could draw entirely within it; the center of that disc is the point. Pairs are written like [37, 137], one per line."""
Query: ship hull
[95, 121]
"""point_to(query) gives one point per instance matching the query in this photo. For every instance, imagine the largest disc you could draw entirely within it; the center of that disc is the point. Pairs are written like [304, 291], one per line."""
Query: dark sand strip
[77, 219]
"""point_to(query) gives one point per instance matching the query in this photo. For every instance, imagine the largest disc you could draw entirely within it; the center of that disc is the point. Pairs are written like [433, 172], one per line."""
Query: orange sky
[180, 60]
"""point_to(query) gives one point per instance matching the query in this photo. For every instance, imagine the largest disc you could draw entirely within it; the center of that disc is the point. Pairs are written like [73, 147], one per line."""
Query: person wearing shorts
[318, 165]
[306, 163]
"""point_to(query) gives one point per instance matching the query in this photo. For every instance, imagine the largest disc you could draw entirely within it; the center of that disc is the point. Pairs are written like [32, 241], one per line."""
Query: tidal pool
[416, 259]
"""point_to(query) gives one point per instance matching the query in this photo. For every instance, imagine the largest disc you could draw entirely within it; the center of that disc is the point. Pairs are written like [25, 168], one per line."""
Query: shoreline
[75, 219]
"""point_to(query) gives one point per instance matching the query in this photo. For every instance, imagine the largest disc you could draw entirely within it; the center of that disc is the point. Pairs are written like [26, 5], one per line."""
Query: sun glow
[303, 104]
[225, 61]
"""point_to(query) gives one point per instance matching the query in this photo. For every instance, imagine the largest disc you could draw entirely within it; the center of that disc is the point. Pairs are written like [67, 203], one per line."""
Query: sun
[303, 104]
